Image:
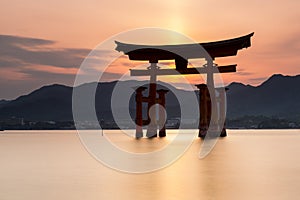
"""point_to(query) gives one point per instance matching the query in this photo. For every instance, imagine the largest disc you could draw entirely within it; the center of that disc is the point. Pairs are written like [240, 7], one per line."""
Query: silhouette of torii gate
[154, 53]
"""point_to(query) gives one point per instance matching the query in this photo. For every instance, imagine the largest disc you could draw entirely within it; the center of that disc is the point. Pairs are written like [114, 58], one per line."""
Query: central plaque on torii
[181, 54]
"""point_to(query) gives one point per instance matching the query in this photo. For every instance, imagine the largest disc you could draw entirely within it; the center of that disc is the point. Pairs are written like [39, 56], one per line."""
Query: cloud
[243, 72]
[16, 40]
[32, 61]
[13, 74]
[18, 51]
[22, 51]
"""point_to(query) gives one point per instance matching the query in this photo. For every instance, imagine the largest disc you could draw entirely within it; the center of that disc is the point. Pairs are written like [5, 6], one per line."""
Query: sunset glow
[45, 38]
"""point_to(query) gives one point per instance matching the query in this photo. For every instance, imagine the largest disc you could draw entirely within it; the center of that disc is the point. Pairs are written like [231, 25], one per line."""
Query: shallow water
[248, 164]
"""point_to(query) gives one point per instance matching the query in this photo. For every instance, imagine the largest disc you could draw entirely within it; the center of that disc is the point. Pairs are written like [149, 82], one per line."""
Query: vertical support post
[152, 127]
[204, 109]
[212, 101]
[222, 101]
[210, 74]
[139, 112]
[162, 115]
[209, 107]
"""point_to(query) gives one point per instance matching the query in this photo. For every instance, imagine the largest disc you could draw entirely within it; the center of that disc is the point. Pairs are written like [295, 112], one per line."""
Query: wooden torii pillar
[154, 53]
[139, 111]
[205, 110]
[156, 123]
[162, 118]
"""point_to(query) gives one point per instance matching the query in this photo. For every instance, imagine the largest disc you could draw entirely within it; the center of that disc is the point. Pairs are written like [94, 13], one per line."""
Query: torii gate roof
[153, 53]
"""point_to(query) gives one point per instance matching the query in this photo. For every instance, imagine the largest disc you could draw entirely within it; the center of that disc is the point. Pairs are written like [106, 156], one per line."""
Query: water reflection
[247, 164]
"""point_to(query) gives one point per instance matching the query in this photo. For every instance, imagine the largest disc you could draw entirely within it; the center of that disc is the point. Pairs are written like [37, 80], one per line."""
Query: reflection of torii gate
[207, 92]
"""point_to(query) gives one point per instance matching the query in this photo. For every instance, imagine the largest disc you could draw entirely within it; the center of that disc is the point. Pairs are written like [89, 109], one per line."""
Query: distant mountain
[54, 102]
[3, 102]
[278, 96]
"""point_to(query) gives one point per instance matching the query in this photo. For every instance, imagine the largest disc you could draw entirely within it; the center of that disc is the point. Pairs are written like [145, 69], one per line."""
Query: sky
[44, 42]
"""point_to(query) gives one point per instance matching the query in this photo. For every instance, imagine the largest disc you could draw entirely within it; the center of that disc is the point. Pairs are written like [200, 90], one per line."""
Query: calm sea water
[248, 164]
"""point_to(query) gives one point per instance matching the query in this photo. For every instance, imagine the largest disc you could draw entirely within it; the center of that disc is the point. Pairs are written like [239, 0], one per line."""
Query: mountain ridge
[277, 96]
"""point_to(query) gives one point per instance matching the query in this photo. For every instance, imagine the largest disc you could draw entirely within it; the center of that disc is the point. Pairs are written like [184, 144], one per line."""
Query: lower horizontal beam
[198, 70]
[147, 99]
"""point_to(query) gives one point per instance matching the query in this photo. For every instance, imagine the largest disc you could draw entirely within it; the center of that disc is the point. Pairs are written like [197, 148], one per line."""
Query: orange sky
[82, 24]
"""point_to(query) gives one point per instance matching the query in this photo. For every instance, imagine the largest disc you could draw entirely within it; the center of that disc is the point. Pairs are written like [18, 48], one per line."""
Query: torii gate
[154, 53]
